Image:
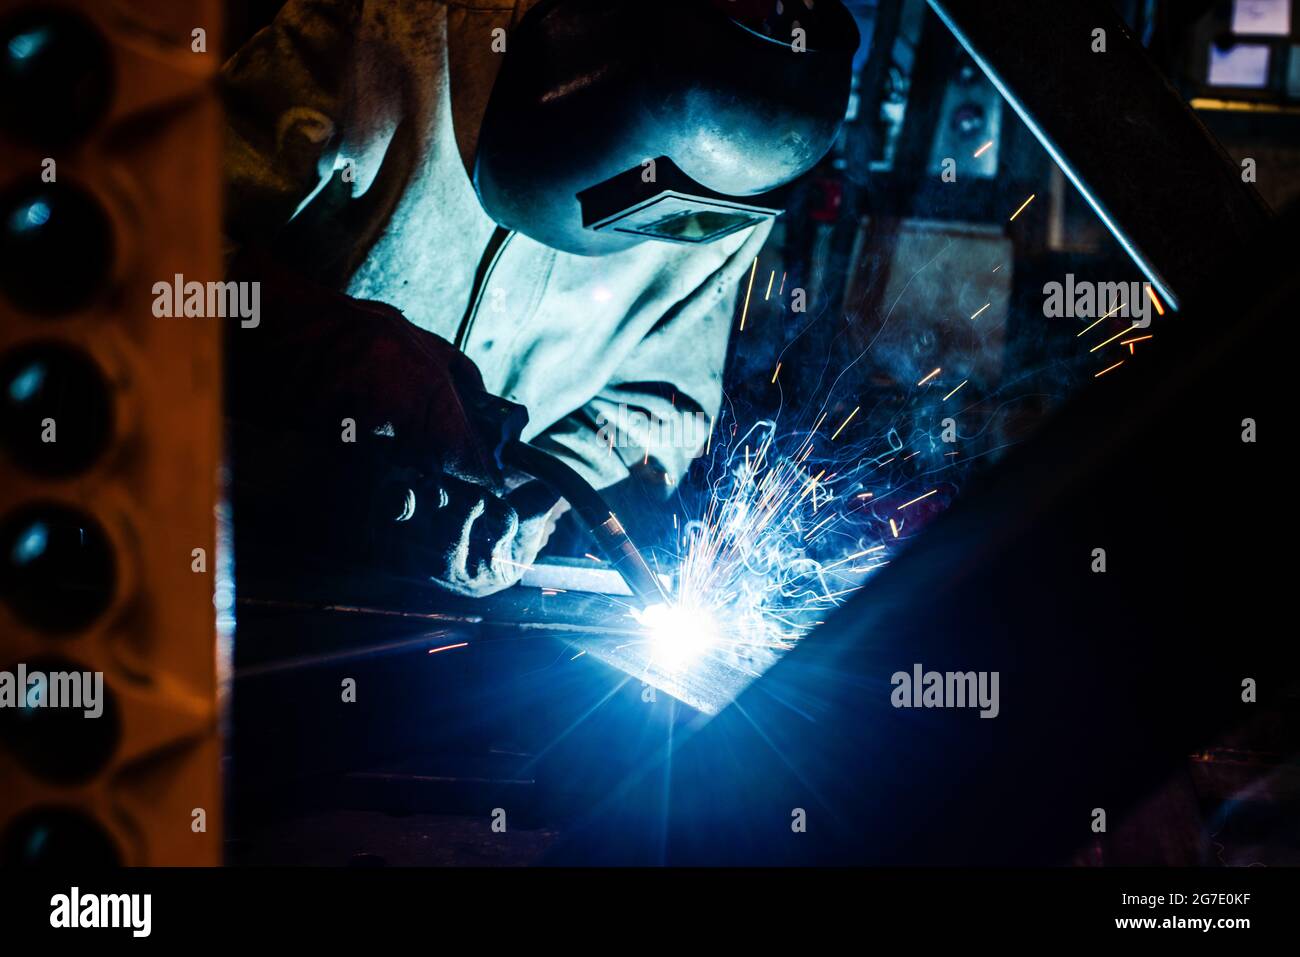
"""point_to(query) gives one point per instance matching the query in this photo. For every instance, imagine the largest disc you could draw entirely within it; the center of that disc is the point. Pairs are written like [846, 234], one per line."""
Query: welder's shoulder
[332, 38]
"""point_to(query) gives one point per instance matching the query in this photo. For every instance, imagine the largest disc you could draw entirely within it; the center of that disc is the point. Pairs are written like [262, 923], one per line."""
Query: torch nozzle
[613, 539]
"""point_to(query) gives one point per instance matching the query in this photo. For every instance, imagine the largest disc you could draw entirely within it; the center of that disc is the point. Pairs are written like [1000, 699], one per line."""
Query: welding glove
[467, 540]
[365, 384]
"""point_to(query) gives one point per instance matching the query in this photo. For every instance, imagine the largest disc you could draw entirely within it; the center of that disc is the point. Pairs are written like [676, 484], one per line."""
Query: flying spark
[748, 290]
[1022, 207]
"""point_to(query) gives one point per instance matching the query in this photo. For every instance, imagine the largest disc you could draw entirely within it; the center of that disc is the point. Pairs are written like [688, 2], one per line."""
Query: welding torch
[591, 507]
[507, 420]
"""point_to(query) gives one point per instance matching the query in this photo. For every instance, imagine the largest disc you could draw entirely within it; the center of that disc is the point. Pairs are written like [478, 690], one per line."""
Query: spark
[981, 309]
[982, 150]
[844, 423]
[1155, 300]
[762, 550]
[750, 289]
[1108, 369]
[930, 376]
[1123, 332]
[1022, 207]
[463, 644]
[812, 483]
[776, 373]
[917, 499]
[1107, 316]
[855, 556]
[770, 279]
[954, 391]
[1132, 342]
[815, 528]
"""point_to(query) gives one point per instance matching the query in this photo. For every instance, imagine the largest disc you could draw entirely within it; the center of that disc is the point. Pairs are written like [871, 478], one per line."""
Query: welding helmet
[617, 121]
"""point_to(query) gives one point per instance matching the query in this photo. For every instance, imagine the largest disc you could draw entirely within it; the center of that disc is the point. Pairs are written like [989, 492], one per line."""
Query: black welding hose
[595, 513]
[584, 499]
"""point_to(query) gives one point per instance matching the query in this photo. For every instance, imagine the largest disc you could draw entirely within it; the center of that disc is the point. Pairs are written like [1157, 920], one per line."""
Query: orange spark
[856, 556]
[753, 269]
[917, 499]
[844, 423]
[1022, 207]
[1122, 332]
[434, 651]
[1107, 316]
[1155, 300]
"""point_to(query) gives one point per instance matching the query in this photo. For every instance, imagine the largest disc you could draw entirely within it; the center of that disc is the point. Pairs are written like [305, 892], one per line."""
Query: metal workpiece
[1123, 135]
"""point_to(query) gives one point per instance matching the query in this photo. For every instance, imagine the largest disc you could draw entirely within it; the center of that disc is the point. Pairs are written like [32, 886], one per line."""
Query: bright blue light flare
[24, 46]
[31, 544]
[27, 383]
[678, 634]
[32, 216]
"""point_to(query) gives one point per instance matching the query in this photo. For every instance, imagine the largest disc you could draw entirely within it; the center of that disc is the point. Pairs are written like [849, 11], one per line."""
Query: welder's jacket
[353, 132]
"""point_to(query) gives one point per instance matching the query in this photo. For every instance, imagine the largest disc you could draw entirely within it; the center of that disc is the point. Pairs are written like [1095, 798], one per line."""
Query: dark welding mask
[617, 121]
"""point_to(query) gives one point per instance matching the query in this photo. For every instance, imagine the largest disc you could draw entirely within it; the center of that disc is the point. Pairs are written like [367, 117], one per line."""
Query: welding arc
[596, 514]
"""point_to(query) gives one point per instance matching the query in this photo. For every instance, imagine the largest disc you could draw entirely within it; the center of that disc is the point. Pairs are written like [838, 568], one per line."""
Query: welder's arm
[366, 422]
[664, 396]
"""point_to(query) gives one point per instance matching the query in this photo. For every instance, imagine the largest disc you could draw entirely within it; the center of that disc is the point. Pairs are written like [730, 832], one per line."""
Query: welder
[463, 210]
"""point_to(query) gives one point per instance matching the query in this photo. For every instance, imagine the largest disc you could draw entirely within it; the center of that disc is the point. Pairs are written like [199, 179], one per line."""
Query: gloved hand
[407, 425]
[465, 539]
